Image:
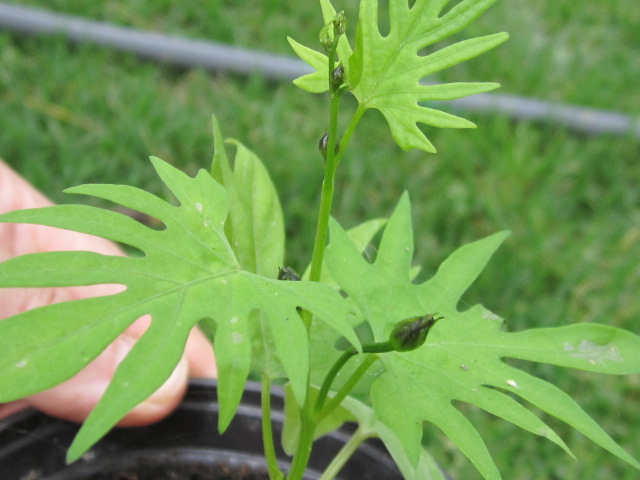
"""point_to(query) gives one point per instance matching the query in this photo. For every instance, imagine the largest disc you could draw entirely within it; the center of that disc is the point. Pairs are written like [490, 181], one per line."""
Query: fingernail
[163, 401]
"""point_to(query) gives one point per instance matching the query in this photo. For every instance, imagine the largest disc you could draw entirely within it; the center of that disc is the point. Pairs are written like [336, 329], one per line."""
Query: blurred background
[79, 113]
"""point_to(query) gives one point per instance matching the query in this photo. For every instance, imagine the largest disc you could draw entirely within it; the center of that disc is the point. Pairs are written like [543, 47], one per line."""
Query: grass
[78, 114]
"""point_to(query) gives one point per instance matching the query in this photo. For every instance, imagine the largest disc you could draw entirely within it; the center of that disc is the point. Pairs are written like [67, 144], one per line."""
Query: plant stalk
[344, 454]
[351, 127]
[301, 458]
[380, 347]
[309, 416]
[267, 433]
[347, 387]
[328, 380]
[308, 423]
[326, 198]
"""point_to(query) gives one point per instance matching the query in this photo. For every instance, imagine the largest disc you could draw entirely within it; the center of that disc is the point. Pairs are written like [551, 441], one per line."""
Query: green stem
[308, 421]
[346, 138]
[309, 415]
[267, 433]
[380, 347]
[301, 458]
[347, 387]
[328, 380]
[344, 455]
[326, 198]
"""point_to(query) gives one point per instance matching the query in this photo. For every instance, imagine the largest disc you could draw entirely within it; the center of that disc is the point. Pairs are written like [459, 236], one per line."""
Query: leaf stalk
[344, 454]
[267, 432]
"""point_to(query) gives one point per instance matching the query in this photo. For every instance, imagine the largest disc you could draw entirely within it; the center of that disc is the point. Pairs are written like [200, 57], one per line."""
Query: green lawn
[78, 114]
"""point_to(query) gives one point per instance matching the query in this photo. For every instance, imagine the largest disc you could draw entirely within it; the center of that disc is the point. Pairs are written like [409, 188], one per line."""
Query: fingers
[74, 399]
[198, 361]
[7, 409]
[200, 357]
[16, 193]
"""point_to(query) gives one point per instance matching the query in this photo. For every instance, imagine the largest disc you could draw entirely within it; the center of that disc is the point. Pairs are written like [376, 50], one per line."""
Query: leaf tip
[76, 450]
[155, 161]
[70, 458]
[430, 149]
[405, 200]
[223, 422]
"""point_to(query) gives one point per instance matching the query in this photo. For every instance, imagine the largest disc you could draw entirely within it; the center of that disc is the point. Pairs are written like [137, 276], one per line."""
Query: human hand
[75, 398]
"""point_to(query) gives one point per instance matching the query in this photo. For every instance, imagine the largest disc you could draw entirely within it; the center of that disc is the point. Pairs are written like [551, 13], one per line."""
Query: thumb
[74, 399]
[163, 401]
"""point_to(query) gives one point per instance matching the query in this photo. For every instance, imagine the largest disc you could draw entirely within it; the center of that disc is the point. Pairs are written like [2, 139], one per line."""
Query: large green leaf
[255, 231]
[189, 272]
[463, 358]
[255, 225]
[384, 72]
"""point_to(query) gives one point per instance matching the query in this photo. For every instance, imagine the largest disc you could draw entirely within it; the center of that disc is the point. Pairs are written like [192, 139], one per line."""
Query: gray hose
[581, 119]
[213, 56]
[156, 46]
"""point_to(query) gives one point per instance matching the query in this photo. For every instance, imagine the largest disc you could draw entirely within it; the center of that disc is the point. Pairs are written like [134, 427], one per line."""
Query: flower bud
[288, 273]
[339, 24]
[322, 145]
[411, 333]
[325, 37]
[337, 77]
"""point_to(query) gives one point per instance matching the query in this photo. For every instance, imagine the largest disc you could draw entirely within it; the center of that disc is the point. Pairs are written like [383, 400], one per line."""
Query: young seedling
[219, 261]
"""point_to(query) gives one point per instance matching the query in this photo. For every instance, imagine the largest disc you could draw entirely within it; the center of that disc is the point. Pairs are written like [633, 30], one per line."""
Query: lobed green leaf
[189, 272]
[255, 224]
[255, 231]
[463, 357]
[387, 72]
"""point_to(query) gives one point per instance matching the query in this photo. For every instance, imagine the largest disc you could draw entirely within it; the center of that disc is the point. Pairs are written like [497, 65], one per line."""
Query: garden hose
[189, 53]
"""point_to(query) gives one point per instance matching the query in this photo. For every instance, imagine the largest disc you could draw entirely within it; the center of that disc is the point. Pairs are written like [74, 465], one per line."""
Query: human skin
[75, 398]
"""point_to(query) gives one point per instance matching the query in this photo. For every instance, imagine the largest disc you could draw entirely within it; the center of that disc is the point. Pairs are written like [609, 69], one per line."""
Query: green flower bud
[339, 24]
[325, 37]
[288, 273]
[411, 333]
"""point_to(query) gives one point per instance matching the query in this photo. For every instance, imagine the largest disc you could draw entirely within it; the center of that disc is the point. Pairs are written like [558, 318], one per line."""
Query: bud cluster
[332, 31]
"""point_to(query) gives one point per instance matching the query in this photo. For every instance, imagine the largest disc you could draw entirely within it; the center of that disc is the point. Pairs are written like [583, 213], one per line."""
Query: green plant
[216, 263]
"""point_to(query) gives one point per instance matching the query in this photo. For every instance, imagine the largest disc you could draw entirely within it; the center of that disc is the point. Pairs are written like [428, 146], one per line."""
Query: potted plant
[352, 340]
[183, 446]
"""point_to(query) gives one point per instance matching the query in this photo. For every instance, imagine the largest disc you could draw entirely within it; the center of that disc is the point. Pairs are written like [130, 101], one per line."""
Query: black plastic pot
[184, 446]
